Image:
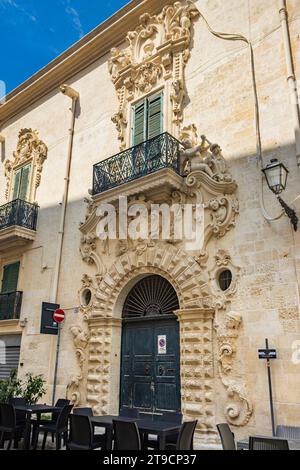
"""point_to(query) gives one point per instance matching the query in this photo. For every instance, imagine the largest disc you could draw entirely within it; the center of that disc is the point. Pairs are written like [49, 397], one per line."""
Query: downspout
[74, 95]
[291, 78]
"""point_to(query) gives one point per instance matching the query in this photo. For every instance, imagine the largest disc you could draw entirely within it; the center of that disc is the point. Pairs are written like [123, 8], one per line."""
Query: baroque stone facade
[165, 47]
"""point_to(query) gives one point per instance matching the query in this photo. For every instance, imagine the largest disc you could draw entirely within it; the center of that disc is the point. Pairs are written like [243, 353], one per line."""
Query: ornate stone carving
[30, 149]
[223, 261]
[239, 409]
[157, 51]
[202, 156]
[197, 370]
[80, 339]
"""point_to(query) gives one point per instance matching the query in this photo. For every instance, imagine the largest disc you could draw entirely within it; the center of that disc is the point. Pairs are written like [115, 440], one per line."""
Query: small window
[21, 183]
[225, 280]
[86, 297]
[147, 119]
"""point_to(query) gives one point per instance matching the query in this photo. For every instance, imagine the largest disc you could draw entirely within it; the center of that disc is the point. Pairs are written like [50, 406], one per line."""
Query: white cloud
[13, 4]
[74, 15]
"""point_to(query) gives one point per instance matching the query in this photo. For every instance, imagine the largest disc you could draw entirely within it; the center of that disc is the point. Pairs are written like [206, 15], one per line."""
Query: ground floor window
[9, 354]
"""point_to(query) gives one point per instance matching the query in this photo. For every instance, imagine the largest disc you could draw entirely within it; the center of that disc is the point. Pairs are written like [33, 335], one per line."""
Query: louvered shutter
[17, 181]
[139, 124]
[9, 354]
[10, 277]
[154, 117]
[24, 183]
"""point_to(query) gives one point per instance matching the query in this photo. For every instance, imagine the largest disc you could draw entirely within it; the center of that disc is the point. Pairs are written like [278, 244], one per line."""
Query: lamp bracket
[290, 213]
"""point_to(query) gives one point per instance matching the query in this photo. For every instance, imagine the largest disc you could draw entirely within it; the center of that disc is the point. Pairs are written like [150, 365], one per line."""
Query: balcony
[160, 153]
[18, 221]
[10, 305]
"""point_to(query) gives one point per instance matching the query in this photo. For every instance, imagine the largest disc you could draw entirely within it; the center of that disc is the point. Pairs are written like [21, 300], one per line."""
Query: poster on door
[162, 344]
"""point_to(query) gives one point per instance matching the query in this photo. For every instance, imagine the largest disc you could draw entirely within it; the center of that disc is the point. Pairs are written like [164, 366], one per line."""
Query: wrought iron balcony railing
[10, 305]
[143, 159]
[18, 212]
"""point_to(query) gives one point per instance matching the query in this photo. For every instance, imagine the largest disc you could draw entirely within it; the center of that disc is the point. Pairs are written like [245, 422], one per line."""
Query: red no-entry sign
[59, 316]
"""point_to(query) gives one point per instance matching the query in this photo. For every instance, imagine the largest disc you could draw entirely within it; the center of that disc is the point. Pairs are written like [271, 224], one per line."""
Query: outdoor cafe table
[33, 410]
[293, 444]
[161, 429]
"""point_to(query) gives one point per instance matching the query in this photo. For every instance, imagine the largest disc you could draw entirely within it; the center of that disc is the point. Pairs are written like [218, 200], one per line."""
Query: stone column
[103, 367]
[197, 370]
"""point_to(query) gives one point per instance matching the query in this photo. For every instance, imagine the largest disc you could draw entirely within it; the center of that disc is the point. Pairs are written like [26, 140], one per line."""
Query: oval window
[86, 297]
[225, 280]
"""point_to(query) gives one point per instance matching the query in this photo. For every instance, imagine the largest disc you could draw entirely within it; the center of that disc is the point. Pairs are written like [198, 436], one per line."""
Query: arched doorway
[150, 363]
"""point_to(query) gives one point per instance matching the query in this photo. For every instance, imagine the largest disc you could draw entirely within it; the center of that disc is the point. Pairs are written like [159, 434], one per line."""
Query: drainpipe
[291, 78]
[74, 95]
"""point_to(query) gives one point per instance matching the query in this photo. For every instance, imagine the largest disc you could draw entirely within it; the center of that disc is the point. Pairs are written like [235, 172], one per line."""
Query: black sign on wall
[48, 325]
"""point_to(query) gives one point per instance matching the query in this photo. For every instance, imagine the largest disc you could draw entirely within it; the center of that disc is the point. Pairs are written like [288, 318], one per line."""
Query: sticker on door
[162, 344]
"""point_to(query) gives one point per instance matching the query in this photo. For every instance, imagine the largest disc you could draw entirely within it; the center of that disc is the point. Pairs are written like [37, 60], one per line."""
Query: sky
[34, 32]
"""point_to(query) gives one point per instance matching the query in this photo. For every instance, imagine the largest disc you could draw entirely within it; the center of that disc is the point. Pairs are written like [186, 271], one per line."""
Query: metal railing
[10, 305]
[18, 212]
[141, 160]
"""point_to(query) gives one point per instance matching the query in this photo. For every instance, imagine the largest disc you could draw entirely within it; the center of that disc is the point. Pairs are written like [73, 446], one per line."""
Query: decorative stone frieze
[30, 149]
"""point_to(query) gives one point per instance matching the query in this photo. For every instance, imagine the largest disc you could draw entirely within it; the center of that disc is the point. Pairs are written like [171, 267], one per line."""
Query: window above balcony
[18, 220]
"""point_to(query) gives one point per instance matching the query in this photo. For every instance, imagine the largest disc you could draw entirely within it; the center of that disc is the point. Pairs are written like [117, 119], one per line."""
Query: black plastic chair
[126, 435]
[227, 437]
[100, 438]
[268, 443]
[59, 429]
[60, 403]
[81, 434]
[20, 415]
[9, 427]
[83, 411]
[186, 437]
[170, 417]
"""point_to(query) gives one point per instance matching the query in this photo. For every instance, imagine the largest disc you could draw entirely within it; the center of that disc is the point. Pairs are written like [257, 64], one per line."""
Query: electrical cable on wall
[240, 37]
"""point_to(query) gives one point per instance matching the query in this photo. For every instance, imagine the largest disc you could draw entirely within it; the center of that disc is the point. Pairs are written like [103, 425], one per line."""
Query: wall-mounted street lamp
[276, 175]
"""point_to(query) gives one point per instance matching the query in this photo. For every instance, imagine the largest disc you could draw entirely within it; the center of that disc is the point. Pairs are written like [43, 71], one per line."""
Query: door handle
[152, 387]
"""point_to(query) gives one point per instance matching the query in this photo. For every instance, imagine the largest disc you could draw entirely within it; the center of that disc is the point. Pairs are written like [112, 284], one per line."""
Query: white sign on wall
[162, 344]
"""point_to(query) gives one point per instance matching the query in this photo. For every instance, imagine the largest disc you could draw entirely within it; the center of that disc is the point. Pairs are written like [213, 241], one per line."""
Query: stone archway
[196, 332]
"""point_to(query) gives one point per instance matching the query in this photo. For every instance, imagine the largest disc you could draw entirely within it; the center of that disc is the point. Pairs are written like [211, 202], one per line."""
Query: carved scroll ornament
[238, 409]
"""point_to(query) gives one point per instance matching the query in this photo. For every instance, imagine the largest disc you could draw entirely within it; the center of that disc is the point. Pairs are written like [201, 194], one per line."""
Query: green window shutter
[154, 117]
[10, 277]
[139, 124]
[21, 183]
[24, 183]
[17, 181]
